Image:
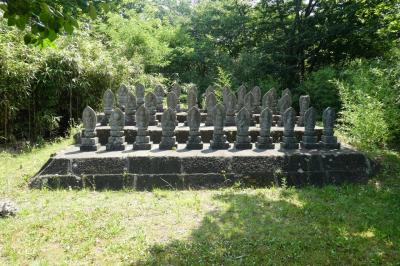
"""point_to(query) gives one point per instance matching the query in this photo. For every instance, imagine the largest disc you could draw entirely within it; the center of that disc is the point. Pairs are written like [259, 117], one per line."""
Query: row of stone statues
[116, 140]
[153, 101]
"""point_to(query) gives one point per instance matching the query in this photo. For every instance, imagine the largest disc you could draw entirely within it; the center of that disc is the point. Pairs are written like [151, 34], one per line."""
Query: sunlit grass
[353, 224]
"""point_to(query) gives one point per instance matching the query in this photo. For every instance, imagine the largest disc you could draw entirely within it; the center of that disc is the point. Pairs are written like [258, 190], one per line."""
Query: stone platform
[182, 133]
[182, 168]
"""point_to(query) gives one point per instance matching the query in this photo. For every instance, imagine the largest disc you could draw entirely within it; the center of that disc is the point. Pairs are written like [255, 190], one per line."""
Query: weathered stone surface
[130, 109]
[270, 101]
[122, 94]
[328, 140]
[168, 140]
[249, 105]
[289, 140]
[230, 105]
[89, 141]
[194, 141]
[256, 91]
[116, 141]
[139, 94]
[288, 92]
[304, 103]
[241, 93]
[142, 141]
[108, 105]
[192, 97]
[211, 102]
[177, 90]
[203, 168]
[309, 139]
[172, 100]
[159, 92]
[243, 140]
[225, 91]
[219, 139]
[210, 89]
[264, 141]
[284, 103]
[7, 208]
[150, 103]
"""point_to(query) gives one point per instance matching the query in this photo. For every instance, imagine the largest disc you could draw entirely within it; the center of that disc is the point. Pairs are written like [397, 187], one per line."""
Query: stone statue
[243, 140]
[150, 102]
[264, 141]
[177, 90]
[219, 139]
[309, 139]
[116, 140]
[192, 98]
[122, 94]
[130, 109]
[108, 105]
[289, 141]
[269, 101]
[142, 141]
[168, 140]
[304, 103]
[139, 94]
[328, 140]
[210, 89]
[172, 100]
[256, 91]
[249, 105]
[241, 93]
[225, 91]
[288, 92]
[211, 102]
[194, 118]
[159, 92]
[284, 103]
[230, 106]
[89, 140]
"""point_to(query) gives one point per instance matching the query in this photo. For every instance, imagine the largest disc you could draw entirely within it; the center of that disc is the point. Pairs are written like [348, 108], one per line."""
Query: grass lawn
[353, 224]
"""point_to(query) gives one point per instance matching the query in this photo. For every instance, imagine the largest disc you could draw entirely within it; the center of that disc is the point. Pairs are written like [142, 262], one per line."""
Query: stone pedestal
[168, 141]
[142, 141]
[329, 142]
[289, 143]
[243, 142]
[230, 120]
[265, 143]
[309, 142]
[89, 143]
[219, 143]
[194, 142]
[116, 141]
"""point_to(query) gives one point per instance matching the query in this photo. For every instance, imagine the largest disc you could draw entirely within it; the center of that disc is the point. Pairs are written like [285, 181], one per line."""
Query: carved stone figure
[116, 140]
[172, 103]
[139, 94]
[177, 90]
[168, 140]
[225, 91]
[288, 92]
[270, 101]
[159, 92]
[328, 140]
[264, 140]
[284, 103]
[219, 139]
[130, 109]
[142, 141]
[210, 89]
[249, 105]
[194, 118]
[89, 140]
[122, 94]
[150, 102]
[304, 103]
[289, 140]
[241, 93]
[108, 105]
[309, 139]
[243, 140]
[230, 106]
[192, 97]
[211, 102]
[256, 91]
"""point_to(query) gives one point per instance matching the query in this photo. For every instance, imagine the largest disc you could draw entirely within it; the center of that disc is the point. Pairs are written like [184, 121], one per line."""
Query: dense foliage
[342, 53]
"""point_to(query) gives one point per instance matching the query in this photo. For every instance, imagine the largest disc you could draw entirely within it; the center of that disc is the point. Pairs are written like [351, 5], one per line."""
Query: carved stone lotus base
[167, 143]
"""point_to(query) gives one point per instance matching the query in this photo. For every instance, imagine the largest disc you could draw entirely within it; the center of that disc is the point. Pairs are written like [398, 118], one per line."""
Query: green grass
[353, 224]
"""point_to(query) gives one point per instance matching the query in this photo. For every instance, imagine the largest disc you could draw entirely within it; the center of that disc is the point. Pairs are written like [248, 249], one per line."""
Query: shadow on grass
[355, 224]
